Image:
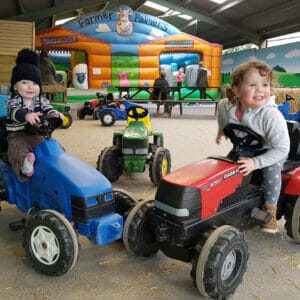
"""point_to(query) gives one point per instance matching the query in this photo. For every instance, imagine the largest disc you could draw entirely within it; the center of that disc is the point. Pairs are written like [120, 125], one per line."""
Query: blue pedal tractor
[285, 107]
[65, 196]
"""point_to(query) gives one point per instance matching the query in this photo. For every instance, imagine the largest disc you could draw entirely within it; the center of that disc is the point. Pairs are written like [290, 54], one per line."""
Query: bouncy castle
[128, 48]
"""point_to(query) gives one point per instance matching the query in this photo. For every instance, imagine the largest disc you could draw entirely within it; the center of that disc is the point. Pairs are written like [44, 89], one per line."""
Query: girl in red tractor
[250, 103]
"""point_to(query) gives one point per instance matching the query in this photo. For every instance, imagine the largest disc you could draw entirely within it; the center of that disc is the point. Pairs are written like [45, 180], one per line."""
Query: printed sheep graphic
[124, 26]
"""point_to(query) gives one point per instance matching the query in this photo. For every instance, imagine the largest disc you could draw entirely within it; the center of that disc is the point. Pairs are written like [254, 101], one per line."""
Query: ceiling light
[156, 6]
[63, 21]
[186, 17]
[219, 1]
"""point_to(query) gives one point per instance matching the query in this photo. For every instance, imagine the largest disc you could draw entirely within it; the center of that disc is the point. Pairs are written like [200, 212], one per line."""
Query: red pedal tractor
[93, 106]
[198, 209]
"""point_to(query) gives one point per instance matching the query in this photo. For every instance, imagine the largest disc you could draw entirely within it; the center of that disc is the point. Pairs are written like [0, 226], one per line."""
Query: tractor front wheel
[81, 113]
[123, 203]
[138, 238]
[50, 243]
[221, 264]
[107, 118]
[292, 217]
[110, 163]
[67, 121]
[160, 164]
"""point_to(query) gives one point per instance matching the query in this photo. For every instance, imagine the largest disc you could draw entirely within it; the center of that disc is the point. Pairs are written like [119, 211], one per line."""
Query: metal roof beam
[21, 6]
[138, 5]
[278, 8]
[56, 10]
[189, 24]
[224, 7]
[252, 36]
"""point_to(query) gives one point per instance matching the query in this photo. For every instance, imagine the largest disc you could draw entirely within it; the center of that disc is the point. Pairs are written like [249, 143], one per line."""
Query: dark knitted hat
[27, 68]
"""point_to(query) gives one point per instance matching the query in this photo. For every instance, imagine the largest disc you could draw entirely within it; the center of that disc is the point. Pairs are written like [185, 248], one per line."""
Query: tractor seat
[294, 154]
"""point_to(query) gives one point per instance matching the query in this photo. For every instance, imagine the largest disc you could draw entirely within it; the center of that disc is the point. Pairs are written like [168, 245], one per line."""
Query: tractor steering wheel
[133, 112]
[250, 140]
[47, 125]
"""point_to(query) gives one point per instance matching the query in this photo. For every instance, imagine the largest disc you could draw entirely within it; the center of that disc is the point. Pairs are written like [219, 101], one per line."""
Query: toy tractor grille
[85, 209]
[135, 147]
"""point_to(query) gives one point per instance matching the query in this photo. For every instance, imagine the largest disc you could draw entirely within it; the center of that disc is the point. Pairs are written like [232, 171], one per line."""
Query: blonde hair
[239, 73]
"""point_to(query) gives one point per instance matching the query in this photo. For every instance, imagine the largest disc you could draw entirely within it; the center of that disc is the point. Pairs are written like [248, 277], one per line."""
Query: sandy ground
[110, 272]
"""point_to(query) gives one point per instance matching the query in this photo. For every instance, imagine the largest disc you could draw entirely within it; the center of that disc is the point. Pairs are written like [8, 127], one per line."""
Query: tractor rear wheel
[160, 164]
[107, 118]
[123, 203]
[80, 113]
[110, 163]
[138, 238]
[220, 263]
[292, 216]
[67, 121]
[50, 243]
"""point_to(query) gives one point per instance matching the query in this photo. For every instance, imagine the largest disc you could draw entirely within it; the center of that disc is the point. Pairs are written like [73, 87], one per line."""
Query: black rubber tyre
[110, 163]
[158, 141]
[159, 165]
[123, 203]
[80, 114]
[138, 238]
[292, 217]
[117, 141]
[67, 121]
[222, 263]
[50, 230]
[107, 118]
[96, 113]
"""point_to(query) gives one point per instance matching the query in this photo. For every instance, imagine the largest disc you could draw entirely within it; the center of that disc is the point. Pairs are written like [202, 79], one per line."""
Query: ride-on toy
[198, 208]
[110, 114]
[132, 149]
[65, 196]
[285, 108]
[93, 106]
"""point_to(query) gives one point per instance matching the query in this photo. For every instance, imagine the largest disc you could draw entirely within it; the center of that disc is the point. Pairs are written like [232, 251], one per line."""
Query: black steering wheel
[249, 139]
[133, 112]
[47, 125]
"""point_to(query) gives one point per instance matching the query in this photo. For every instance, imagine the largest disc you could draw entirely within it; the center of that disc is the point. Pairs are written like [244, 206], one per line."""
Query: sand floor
[110, 272]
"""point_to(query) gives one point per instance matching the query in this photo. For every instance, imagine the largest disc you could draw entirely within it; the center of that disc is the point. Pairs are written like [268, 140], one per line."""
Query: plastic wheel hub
[164, 166]
[228, 265]
[45, 245]
[107, 118]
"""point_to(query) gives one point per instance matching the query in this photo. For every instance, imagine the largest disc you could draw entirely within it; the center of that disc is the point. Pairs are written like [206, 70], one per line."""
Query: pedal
[17, 225]
[261, 215]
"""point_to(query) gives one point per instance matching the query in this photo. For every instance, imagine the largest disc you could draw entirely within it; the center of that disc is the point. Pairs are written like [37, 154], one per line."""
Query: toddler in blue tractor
[25, 105]
[249, 103]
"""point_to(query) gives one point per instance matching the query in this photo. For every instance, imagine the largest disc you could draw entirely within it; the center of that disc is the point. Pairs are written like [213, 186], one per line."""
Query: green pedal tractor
[134, 147]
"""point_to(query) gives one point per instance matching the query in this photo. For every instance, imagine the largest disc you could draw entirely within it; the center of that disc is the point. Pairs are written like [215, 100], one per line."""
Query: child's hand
[58, 115]
[246, 165]
[219, 137]
[33, 118]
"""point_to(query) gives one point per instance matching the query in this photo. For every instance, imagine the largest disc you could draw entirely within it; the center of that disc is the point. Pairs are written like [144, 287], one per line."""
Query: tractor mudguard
[293, 186]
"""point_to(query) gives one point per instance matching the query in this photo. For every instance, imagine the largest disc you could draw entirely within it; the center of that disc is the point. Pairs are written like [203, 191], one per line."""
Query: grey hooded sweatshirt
[268, 122]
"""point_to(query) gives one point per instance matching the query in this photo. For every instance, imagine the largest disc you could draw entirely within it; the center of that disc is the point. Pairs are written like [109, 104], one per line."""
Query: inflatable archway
[123, 47]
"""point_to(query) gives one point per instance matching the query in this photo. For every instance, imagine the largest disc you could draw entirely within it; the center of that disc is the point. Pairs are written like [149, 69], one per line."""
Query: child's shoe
[27, 168]
[271, 226]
